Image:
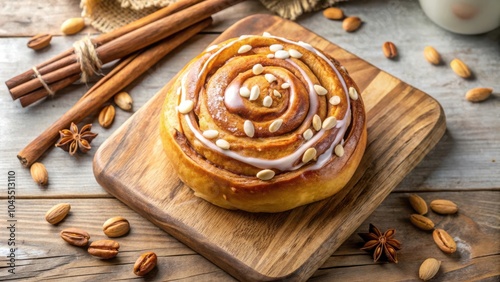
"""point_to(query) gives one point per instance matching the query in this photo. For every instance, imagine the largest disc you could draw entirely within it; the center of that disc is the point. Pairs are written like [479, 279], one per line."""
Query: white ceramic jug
[464, 16]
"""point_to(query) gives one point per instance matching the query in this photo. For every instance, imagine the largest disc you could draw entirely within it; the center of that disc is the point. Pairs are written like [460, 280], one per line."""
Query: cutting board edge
[184, 234]
[439, 127]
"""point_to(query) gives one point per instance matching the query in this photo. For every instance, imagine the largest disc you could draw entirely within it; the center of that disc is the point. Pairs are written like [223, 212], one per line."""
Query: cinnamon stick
[41, 93]
[48, 65]
[123, 74]
[133, 40]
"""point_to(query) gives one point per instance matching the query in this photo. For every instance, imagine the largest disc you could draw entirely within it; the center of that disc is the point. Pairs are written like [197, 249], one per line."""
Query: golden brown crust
[232, 183]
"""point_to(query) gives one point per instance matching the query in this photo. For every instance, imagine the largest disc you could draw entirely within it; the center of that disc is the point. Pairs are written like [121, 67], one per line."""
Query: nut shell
[72, 26]
[104, 249]
[460, 68]
[428, 269]
[444, 207]
[107, 116]
[145, 263]
[116, 226]
[39, 41]
[444, 241]
[333, 13]
[432, 55]
[418, 204]
[75, 236]
[124, 101]
[39, 174]
[57, 213]
[351, 24]
[389, 49]
[478, 94]
[422, 222]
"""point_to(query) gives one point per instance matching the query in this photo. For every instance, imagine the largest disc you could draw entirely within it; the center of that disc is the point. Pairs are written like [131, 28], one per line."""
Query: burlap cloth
[106, 15]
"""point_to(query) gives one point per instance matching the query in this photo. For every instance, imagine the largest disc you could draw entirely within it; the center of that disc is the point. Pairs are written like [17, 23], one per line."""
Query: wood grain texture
[463, 166]
[43, 256]
[467, 158]
[291, 245]
[31, 17]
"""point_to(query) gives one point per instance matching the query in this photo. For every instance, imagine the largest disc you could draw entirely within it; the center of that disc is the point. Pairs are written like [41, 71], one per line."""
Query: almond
[57, 213]
[333, 13]
[444, 207]
[116, 226]
[39, 41]
[432, 55]
[72, 26]
[460, 68]
[390, 50]
[422, 222]
[107, 116]
[478, 94]
[39, 174]
[351, 24]
[123, 101]
[428, 269]
[418, 204]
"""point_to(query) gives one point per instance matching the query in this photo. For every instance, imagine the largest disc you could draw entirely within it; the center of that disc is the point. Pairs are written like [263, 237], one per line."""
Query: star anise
[72, 140]
[381, 243]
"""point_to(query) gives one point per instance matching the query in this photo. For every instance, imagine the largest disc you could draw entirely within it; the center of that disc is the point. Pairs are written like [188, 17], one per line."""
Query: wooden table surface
[464, 167]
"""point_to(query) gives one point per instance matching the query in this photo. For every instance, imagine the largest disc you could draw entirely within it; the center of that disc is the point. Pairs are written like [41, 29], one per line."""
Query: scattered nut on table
[57, 213]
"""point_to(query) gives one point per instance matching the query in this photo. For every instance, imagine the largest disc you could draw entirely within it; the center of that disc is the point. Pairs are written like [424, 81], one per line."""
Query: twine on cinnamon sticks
[86, 56]
[65, 68]
[44, 84]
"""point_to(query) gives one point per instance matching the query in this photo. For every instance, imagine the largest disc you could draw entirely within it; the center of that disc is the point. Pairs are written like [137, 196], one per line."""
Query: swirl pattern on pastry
[259, 111]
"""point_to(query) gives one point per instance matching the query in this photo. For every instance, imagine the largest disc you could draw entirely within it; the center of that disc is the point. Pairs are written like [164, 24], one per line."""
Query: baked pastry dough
[263, 124]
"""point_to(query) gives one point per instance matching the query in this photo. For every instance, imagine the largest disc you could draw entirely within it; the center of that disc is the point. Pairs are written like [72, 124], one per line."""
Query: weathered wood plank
[474, 228]
[29, 17]
[455, 163]
[43, 255]
[69, 176]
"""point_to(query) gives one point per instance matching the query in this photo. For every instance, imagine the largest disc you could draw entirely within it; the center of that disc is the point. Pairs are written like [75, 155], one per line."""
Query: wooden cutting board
[404, 124]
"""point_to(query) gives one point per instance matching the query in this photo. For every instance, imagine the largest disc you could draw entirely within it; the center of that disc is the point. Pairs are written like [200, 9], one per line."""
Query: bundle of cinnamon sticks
[180, 21]
[65, 68]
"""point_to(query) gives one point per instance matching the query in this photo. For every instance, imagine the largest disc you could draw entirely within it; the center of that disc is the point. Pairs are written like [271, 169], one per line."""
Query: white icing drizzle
[284, 163]
[211, 48]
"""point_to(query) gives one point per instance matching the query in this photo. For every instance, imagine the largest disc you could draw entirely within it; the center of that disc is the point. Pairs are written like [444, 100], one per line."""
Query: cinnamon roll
[263, 124]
